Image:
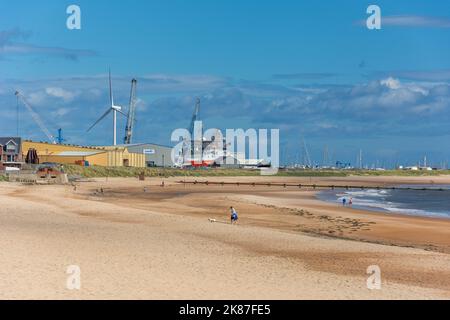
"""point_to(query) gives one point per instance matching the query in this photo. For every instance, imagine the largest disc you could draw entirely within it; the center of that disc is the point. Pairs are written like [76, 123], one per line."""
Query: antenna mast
[307, 158]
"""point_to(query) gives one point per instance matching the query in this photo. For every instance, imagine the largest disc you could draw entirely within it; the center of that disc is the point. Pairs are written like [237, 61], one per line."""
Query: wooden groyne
[309, 186]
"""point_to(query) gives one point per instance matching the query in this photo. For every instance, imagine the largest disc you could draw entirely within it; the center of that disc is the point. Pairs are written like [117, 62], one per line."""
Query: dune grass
[405, 173]
[100, 172]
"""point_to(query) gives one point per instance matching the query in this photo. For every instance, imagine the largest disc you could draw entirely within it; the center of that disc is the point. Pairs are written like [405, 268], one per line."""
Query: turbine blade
[111, 97]
[122, 113]
[100, 119]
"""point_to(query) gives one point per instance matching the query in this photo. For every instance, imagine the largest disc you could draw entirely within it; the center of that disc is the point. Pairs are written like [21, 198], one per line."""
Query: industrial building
[155, 155]
[127, 155]
[94, 156]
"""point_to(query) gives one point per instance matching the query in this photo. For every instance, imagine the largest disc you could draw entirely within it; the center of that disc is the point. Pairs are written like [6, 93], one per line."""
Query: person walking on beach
[350, 203]
[344, 201]
[234, 215]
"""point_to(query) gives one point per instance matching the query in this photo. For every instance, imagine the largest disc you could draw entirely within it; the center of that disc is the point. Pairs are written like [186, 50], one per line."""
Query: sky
[311, 69]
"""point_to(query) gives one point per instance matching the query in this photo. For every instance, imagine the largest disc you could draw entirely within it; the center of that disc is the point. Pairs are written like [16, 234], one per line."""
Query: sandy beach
[158, 243]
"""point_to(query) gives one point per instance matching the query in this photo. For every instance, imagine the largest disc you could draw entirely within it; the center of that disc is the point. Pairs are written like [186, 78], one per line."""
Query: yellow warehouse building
[95, 156]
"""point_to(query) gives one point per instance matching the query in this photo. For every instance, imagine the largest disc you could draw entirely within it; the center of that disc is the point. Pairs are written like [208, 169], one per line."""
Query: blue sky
[310, 69]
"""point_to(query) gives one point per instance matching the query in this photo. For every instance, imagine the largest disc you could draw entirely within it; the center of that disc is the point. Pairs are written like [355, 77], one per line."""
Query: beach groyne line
[308, 186]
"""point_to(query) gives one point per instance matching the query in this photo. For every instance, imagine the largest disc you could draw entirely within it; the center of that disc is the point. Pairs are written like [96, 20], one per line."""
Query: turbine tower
[114, 109]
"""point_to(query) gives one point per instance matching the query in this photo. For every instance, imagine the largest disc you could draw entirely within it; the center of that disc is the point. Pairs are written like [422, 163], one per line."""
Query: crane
[195, 117]
[131, 114]
[36, 118]
[60, 137]
[188, 148]
[192, 143]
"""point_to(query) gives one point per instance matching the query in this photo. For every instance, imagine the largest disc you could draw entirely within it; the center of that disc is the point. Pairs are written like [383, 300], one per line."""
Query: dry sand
[159, 244]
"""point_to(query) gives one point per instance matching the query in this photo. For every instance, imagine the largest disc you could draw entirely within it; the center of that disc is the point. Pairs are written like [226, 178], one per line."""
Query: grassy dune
[99, 172]
[404, 173]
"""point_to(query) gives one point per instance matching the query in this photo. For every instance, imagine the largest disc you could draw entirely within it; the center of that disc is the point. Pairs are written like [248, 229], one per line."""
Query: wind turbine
[114, 109]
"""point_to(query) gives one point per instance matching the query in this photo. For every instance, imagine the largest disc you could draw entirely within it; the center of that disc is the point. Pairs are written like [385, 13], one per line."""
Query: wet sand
[159, 244]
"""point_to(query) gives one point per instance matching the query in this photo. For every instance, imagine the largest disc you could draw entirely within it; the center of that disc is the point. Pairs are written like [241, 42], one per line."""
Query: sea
[426, 203]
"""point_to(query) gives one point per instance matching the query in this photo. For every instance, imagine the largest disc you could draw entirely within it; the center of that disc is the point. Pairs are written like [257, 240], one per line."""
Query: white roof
[77, 153]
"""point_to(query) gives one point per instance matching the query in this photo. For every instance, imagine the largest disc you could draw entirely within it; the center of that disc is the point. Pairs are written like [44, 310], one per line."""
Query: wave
[389, 201]
[368, 193]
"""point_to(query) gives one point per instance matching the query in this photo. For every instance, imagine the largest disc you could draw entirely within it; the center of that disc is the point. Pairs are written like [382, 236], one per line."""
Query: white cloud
[412, 21]
[141, 105]
[391, 83]
[180, 83]
[36, 98]
[386, 104]
[9, 46]
[61, 93]
[432, 75]
[61, 112]
[399, 97]
[416, 21]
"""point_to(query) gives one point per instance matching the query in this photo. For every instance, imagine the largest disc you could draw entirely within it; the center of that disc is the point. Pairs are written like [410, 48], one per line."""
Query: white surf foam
[373, 199]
